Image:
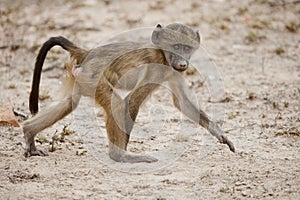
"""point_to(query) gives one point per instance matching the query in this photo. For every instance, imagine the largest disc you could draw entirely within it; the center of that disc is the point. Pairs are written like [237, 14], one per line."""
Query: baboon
[119, 76]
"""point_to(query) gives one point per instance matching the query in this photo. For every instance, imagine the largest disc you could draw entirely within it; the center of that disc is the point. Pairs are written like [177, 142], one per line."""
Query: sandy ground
[255, 46]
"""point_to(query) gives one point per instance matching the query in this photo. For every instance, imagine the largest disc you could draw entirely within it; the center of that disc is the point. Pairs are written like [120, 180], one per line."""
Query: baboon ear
[156, 34]
[198, 36]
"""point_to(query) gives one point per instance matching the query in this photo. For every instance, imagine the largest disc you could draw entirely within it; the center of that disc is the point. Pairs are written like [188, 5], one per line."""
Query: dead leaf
[7, 116]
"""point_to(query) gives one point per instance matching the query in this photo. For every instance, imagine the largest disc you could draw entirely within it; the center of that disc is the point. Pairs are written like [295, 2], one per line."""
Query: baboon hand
[225, 140]
[120, 155]
[133, 158]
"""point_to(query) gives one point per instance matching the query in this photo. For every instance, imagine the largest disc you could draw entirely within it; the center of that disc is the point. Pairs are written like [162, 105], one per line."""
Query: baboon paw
[225, 140]
[35, 153]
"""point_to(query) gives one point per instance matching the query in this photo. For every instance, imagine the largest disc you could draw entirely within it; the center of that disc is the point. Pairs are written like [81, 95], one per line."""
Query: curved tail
[77, 54]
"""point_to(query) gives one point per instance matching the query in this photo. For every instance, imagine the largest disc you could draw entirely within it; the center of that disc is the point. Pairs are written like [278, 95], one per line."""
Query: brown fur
[106, 74]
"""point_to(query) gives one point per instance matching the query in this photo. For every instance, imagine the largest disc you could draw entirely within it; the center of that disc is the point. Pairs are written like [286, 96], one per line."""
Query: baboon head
[178, 43]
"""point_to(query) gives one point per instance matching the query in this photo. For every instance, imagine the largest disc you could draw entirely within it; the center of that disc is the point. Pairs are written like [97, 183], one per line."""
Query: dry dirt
[255, 45]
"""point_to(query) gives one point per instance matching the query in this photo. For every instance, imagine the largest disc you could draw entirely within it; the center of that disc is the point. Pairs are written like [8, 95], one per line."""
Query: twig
[76, 27]
[224, 100]
[12, 47]
[20, 113]
[233, 129]
[55, 138]
[283, 3]
[4, 47]
[11, 179]
[52, 66]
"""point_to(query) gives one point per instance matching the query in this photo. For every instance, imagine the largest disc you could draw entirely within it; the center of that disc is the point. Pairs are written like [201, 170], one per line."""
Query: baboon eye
[187, 48]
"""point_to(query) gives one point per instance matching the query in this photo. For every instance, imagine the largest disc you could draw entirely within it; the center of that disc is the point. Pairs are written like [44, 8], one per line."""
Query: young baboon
[119, 76]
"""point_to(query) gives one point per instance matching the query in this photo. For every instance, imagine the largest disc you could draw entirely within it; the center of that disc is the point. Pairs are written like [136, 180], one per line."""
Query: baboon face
[178, 42]
[179, 56]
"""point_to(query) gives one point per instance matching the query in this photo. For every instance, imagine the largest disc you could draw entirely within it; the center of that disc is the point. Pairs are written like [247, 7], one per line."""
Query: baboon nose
[182, 65]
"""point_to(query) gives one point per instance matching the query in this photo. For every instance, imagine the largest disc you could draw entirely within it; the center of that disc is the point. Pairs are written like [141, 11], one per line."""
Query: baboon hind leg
[44, 119]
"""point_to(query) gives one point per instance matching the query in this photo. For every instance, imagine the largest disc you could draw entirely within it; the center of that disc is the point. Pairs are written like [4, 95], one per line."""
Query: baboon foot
[35, 153]
[31, 150]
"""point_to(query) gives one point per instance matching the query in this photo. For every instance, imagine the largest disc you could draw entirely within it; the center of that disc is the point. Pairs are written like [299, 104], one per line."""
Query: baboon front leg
[187, 107]
[44, 119]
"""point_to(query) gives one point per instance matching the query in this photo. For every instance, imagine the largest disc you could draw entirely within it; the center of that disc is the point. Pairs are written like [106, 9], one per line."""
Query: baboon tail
[77, 54]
